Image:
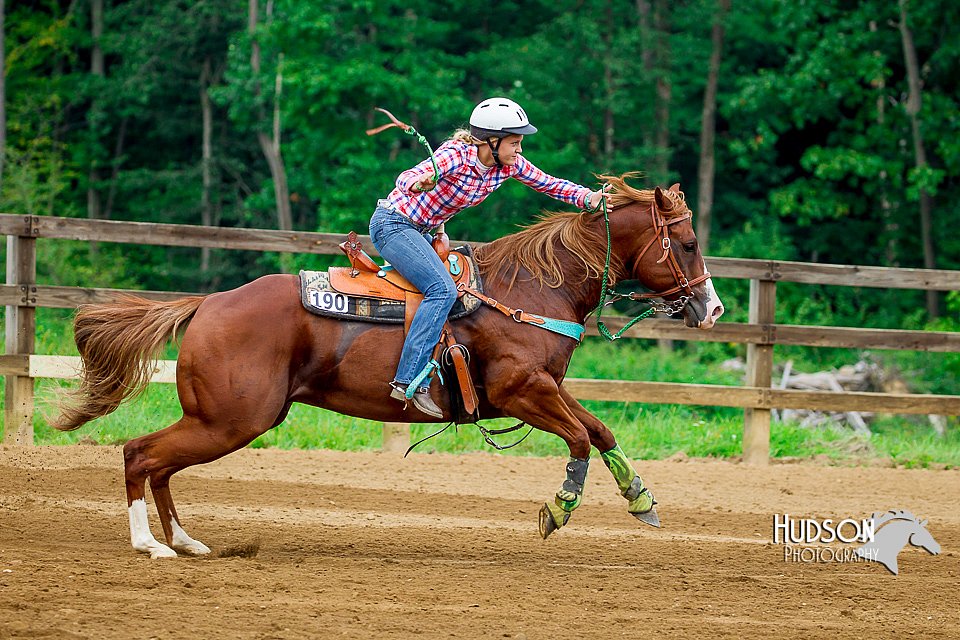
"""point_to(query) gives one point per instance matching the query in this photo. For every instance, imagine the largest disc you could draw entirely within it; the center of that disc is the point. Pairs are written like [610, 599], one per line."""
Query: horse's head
[655, 239]
[922, 538]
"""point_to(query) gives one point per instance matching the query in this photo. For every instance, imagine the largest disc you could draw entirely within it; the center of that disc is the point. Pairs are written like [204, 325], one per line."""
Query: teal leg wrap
[628, 480]
[427, 371]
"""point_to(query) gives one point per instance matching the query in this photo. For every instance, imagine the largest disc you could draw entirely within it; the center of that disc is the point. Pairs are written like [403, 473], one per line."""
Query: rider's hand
[594, 200]
[425, 182]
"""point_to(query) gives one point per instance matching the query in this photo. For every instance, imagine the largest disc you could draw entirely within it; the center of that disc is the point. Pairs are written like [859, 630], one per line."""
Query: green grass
[647, 431]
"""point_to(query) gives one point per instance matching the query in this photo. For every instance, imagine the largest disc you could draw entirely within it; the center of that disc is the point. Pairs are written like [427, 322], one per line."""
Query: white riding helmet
[499, 117]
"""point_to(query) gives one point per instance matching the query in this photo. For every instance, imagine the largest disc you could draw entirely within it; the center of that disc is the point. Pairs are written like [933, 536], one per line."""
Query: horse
[898, 528]
[247, 354]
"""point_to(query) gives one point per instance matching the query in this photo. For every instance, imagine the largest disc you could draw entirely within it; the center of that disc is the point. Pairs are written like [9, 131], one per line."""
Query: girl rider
[472, 165]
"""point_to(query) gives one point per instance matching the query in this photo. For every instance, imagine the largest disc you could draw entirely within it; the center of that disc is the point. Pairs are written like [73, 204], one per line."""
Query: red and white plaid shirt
[463, 184]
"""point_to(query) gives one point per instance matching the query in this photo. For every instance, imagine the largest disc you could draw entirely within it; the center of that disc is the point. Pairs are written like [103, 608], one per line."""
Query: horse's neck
[573, 300]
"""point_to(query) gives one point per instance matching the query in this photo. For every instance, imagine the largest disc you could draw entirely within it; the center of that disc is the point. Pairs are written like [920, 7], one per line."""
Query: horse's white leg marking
[140, 536]
[713, 304]
[183, 542]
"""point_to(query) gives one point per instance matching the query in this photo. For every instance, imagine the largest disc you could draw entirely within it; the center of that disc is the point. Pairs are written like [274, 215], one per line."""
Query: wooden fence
[22, 295]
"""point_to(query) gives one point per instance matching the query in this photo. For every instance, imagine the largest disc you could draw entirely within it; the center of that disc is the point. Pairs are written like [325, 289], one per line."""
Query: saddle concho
[379, 297]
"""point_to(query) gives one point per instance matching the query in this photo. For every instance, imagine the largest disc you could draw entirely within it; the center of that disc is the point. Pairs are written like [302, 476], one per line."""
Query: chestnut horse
[246, 355]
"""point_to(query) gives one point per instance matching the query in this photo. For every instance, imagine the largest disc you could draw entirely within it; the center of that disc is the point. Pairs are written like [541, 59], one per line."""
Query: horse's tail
[118, 342]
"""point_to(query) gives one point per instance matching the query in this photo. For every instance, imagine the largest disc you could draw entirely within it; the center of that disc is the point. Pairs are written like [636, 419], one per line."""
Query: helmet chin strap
[495, 149]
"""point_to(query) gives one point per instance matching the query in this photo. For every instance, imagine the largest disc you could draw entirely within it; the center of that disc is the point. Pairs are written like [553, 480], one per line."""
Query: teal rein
[573, 330]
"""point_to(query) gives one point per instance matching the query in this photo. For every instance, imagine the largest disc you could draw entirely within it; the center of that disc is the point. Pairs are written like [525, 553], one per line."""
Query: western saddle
[364, 278]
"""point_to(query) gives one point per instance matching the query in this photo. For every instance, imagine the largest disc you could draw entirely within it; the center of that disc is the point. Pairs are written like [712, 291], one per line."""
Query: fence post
[396, 436]
[756, 422]
[20, 335]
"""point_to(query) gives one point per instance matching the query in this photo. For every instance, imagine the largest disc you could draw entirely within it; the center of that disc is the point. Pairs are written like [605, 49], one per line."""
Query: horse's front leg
[536, 400]
[640, 498]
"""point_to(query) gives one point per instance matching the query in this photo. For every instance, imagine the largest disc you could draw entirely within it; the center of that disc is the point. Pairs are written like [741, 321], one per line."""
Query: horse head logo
[898, 528]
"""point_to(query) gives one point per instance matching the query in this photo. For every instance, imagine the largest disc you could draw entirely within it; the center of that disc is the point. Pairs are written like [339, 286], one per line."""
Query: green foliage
[814, 160]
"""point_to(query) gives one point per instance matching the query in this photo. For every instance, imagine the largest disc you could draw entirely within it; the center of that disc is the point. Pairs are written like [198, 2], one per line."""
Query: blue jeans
[407, 247]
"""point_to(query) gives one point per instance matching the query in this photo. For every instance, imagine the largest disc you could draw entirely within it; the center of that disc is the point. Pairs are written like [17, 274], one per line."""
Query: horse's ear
[675, 187]
[923, 523]
[664, 203]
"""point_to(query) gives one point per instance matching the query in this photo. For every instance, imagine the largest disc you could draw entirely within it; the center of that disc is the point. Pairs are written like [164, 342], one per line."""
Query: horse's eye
[690, 247]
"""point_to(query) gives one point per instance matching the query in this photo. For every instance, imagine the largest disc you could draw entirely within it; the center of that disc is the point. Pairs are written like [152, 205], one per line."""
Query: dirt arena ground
[367, 545]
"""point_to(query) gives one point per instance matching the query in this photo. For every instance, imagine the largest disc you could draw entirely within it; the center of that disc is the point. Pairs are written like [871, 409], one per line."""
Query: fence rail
[22, 295]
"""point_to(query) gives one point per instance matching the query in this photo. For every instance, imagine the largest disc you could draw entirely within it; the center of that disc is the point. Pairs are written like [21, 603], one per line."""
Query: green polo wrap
[628, 480]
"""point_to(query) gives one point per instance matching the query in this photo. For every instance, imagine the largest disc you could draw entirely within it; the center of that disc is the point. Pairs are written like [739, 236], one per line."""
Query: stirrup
[421, 399]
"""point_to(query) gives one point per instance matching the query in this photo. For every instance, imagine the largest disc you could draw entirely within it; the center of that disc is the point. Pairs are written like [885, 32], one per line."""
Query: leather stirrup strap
[456, 353]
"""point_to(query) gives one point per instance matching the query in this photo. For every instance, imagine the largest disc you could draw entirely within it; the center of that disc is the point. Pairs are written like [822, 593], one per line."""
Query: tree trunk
[891, 226]
[708, 124]
[3, 95]
[115, 172]
[646, 55]
[609, 128]
[96, 68]
[913, 111]
[94, 204]
[661, 23]
[206, 109]
[270, 145]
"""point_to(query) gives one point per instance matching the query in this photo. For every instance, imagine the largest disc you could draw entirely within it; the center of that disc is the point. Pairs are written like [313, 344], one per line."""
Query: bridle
[661, 227]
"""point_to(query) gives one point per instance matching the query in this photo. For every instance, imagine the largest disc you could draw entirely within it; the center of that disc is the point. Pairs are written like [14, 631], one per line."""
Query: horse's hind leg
[176, 537]
[158, 456]
[640, 499]
[136, 469]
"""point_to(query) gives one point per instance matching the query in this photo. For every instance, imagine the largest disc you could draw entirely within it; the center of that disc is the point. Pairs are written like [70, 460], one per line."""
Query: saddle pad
[318, 297]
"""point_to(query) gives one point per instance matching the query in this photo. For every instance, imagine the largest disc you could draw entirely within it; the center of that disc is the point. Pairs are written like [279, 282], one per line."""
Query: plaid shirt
[463, 185]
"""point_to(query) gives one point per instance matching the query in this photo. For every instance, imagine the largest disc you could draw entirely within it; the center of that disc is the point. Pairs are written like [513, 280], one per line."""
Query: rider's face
[510, 149]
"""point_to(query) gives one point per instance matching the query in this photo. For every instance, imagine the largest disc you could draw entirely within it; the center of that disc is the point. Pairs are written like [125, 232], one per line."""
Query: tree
[913, 110]
[270, 143]
[706, 170]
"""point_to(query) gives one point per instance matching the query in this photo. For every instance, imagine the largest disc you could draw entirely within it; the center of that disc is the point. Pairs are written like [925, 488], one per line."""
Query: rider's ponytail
[463, 135]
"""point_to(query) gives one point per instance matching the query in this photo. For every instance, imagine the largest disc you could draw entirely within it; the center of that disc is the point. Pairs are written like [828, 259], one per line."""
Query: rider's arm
[556, 188]
[449, 156]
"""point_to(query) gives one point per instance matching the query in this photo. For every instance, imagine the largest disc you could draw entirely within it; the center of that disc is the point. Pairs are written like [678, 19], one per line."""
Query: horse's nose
[717, 311]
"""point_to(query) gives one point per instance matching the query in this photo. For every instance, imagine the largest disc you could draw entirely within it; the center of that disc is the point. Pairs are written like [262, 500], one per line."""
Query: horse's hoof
[162, 551]
[648, 517]
[192, 548]
[547, 525]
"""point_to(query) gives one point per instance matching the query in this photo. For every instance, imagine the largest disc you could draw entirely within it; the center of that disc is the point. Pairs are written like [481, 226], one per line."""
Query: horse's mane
[539, 247]
[623, 194]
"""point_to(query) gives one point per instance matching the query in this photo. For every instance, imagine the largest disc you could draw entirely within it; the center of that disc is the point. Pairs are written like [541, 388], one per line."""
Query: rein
[486, 433]
[409, 130]
[608, 296]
